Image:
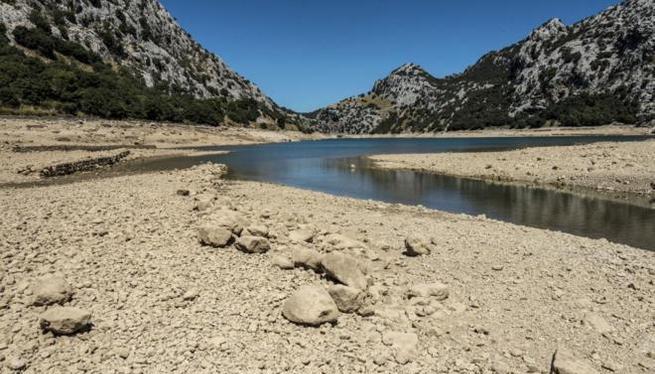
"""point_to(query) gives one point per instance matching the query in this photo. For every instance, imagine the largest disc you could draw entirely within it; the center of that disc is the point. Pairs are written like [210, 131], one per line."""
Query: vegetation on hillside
[48, 74]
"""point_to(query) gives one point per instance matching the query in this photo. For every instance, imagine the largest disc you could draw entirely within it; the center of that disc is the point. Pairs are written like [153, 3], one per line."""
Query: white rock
[52, 289]
[15, 364]
[258, 230]
[435, 290]
[341, 242]
[598, 323]
[310, 305]
[253, 244]
[417, 246]
[302, 236]
[216, 236]
[564, 362]
[348, 299]
[306, 258]
[283, 262]
[344, 269]
[404, 345]
[191, 294]
[204, 203]
[229, 219]
[65, 320]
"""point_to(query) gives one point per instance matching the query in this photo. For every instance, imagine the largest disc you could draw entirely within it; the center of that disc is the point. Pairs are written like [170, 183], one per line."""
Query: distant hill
[595, 72]
[119, 58]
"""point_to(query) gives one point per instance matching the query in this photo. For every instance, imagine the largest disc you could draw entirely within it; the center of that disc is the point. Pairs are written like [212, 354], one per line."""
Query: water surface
[340, 167]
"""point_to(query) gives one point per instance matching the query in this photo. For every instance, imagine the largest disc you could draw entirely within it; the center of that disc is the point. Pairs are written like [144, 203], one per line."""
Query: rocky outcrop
[142, 36]
[595, 72]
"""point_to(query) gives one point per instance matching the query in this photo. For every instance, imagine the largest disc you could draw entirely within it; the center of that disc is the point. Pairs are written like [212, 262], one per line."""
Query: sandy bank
[611, 167]
[162, 302]
[49, 142]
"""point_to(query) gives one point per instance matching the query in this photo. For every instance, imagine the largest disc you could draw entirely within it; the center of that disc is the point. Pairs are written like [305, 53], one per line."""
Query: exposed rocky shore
[612, 167]
[184, 272]
[29, 146]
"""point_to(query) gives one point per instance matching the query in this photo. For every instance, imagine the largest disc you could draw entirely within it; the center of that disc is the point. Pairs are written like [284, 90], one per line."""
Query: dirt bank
[29, 145]
[609, 167]
[162, 302]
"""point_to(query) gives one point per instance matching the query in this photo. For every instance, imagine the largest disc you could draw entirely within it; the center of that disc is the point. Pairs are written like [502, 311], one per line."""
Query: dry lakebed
[185, 271]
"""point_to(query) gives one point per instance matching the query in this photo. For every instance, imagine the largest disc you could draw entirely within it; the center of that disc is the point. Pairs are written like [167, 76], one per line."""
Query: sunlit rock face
[556, 73]
[141, 36]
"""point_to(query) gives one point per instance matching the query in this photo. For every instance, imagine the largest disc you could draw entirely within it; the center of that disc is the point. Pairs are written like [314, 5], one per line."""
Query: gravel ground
[162, 302]
[612, 167]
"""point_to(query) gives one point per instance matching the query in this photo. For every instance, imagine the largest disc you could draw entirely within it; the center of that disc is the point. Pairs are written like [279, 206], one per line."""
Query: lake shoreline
[129, 247]
[616, 170]
[32, 144]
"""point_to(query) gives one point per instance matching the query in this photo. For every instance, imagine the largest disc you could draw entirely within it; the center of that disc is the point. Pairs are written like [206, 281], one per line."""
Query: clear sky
[306, 54]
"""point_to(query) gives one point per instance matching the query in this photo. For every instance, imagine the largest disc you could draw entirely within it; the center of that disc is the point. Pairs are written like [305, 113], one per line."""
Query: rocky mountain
[134, 37]
[594, 72]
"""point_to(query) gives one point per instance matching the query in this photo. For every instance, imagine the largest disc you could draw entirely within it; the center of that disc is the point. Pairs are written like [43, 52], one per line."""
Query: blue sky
[306, 54]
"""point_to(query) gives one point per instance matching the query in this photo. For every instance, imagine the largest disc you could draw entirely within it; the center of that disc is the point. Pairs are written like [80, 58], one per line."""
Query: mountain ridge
[141, 35]
[596, 71]
[103, 47]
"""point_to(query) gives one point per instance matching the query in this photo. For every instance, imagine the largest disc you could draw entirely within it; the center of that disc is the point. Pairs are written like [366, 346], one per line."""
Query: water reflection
[326, 166]
[338, 168]
[561, 211]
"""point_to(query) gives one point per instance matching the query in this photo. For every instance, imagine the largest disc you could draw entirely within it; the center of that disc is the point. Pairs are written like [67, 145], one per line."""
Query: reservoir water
[327, 166]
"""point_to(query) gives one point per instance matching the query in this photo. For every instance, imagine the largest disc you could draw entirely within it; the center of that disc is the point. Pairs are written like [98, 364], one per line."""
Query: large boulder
[65, 320]
[564, 362]
[310, 305]
[435, 290]
[344, 269]
[52, 289]
[253, 244]
[216, 236]
[417, 246]
[306, 258]
[348, 299]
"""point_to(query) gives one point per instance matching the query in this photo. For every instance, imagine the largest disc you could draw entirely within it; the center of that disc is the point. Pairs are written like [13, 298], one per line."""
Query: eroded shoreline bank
[615, 169]
[30, 145]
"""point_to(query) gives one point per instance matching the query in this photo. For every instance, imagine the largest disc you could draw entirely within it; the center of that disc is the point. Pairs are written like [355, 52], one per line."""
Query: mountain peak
[554, 27]
[600, 69]
[409, 69]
